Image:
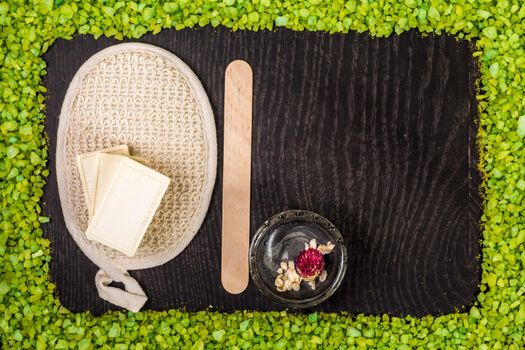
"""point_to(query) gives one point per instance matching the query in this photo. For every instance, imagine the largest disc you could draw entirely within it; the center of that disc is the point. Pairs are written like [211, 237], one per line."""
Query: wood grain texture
[377, 135]
[238, 90]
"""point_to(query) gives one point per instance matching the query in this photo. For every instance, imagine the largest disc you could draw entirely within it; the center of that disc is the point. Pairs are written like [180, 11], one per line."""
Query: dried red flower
[309, 263]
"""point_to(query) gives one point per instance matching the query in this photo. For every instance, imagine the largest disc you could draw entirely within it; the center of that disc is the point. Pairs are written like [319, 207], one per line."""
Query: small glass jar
[282, 238]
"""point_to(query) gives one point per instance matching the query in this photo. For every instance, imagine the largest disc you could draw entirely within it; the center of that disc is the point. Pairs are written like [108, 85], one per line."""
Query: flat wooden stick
[236, 176]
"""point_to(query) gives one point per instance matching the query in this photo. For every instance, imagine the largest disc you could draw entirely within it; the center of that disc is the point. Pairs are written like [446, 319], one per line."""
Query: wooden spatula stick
[236, 176]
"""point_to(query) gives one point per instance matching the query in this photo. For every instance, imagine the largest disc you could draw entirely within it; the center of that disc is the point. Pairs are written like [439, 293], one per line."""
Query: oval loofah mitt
[147, 98]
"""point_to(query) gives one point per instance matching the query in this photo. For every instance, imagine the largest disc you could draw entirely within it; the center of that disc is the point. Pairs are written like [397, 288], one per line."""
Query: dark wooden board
[378, 135]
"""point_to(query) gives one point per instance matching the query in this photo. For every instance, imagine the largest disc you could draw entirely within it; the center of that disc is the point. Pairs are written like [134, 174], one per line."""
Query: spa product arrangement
[122, 196]
[120, 231]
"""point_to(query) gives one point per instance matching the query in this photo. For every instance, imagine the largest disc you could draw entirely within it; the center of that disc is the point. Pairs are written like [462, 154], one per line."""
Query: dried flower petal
[322, 276]
[326, 248]
[312, 284]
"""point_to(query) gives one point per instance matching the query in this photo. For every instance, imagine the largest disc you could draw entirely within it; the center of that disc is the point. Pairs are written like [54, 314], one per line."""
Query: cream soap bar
[88, 168]
[127, 207]
[108, 165]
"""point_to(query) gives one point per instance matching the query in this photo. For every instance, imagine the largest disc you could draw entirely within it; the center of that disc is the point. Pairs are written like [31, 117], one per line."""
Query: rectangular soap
[127, 208]
[88, 168]
[108, 165]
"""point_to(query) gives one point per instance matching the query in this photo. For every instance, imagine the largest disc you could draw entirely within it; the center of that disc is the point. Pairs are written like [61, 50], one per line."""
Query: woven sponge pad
[147, 98]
